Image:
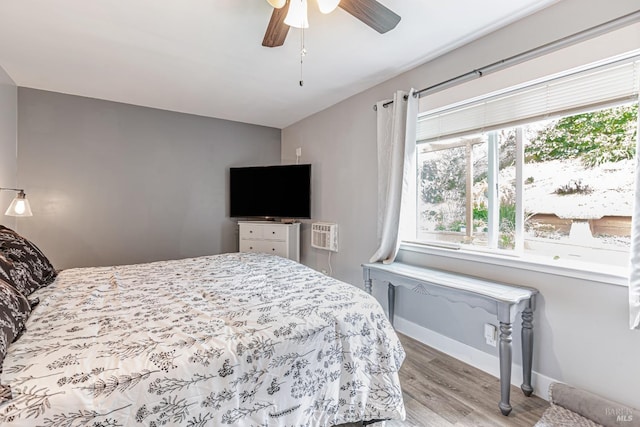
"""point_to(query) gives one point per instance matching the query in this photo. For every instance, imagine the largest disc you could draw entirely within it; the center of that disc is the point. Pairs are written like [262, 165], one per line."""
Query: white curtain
[396, 171]
[634, 274]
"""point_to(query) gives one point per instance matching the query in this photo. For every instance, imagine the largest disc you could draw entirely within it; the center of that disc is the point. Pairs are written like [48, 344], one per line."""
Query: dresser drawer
[264, 246]
[274, 232]
[251, 231]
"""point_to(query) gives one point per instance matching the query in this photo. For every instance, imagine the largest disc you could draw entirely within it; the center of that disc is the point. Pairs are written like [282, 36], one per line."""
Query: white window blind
[598, 85]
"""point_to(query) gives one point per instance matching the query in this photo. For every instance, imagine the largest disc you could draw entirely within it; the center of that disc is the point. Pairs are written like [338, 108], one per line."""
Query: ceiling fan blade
[372, 13]
[276, 30]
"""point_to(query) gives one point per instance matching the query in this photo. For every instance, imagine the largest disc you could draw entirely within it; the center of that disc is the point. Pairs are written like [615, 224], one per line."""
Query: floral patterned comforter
[237, 339]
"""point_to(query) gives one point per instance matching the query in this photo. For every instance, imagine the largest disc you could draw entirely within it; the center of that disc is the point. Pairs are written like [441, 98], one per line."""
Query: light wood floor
[442, 391]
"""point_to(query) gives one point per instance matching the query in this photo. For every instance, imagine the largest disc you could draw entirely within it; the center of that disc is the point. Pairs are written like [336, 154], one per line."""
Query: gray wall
[582, 334]
[112, 183]
[8, 135]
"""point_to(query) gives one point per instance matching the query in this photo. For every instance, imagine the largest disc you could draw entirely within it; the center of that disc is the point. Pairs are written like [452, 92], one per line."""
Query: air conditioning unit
[324, 235]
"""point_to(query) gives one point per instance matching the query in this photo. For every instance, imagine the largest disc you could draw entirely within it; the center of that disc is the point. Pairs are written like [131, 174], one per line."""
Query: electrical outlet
[298, 151]
[490, 334]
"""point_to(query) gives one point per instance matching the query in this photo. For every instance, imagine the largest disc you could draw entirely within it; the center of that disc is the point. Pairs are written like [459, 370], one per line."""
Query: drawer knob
[273, 232]
[250, 247]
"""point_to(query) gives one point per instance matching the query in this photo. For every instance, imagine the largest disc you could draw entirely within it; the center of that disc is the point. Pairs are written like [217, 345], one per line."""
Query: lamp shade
[328, 6]
[19, 206]
[278, 4]
[297, 15]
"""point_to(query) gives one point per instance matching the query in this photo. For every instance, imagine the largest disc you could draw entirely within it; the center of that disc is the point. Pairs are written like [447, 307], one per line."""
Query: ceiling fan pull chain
[303, 52]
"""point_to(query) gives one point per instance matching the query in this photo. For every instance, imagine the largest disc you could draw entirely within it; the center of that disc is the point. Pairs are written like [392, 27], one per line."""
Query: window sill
[579, 270]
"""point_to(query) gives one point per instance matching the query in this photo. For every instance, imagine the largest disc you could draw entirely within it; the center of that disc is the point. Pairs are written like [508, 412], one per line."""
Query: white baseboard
[472, 356]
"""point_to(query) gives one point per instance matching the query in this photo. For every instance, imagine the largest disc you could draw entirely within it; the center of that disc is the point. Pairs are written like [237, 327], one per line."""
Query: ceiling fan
[371, 12]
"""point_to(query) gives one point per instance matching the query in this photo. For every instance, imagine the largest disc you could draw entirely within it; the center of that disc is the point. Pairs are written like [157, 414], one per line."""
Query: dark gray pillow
[17, 275]
[14, 312]
[593, 407]
[22, 264]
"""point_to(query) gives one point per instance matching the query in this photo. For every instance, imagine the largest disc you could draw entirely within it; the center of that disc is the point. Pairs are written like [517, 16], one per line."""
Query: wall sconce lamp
[20, 205]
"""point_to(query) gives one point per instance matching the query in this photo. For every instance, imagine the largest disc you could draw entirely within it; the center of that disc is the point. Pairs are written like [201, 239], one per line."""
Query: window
[544, 169]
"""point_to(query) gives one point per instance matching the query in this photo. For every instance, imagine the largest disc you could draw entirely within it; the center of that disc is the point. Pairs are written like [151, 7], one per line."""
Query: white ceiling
[205, 57]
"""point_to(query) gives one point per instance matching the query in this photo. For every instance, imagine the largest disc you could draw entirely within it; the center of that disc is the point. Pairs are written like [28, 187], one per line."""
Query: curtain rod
[583, 35]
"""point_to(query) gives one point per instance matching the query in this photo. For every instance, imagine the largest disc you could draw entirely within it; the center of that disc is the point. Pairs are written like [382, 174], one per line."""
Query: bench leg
[527, 350]
[367, 280]
[391, 297]
[505, 367]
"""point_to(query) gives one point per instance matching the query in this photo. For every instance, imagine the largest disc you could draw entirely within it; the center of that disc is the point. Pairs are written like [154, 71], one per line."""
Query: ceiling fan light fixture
[277, 4]
[297, 15]
[328, 6]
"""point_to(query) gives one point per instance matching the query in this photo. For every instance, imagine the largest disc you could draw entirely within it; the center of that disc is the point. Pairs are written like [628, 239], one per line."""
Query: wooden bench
[497, 298]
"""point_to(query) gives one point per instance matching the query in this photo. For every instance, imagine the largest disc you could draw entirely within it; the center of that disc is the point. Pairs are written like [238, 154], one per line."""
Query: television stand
[270, 237]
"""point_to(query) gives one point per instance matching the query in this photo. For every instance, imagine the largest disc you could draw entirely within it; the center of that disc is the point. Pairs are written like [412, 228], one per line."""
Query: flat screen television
[270, 191]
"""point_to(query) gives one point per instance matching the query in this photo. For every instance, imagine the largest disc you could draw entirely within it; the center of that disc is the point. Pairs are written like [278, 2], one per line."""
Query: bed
[241, 339]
